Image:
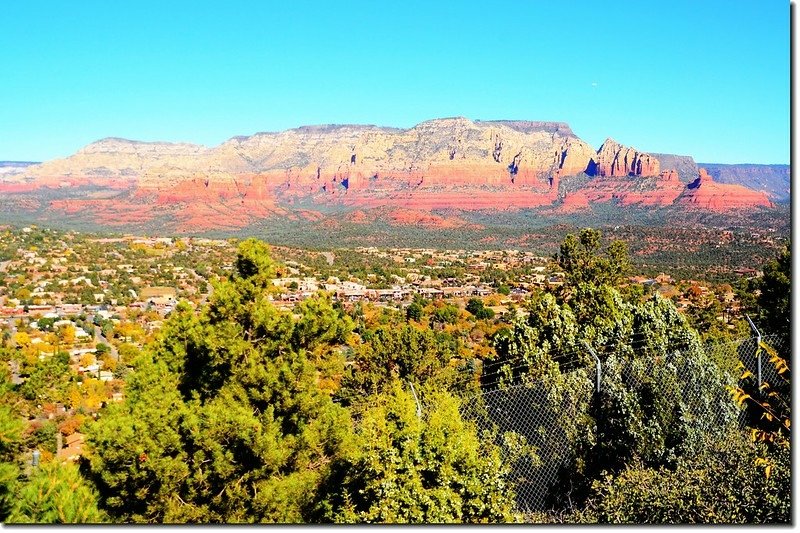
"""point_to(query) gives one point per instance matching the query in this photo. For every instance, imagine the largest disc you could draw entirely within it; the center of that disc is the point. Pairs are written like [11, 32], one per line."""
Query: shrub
[723, 485]
[411, 469]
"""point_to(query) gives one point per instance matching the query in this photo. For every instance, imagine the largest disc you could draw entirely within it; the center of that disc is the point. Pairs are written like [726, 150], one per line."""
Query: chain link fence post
[758, 352]
[416, 400]
[597, 363]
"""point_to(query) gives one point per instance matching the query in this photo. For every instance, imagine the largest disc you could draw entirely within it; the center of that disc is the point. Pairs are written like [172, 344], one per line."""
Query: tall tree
[224, 419]
[774, 300]
[584, 259]
[10, 439]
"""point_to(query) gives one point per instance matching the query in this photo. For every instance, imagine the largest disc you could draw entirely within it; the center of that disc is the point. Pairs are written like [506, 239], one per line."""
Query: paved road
[12, 325]
[99, 337]
[14, 366]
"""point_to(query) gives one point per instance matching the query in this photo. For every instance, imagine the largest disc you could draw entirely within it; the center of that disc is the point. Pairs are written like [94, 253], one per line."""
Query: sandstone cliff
[498, 150]
[705, 193]
[437, 164]
[613, 159]
[775, 180]
[451, 163]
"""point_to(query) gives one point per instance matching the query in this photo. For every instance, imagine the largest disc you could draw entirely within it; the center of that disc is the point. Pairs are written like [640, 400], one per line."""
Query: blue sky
[703, 78]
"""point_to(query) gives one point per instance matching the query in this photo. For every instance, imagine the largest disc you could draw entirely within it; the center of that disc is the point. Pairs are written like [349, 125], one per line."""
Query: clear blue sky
[704, 78]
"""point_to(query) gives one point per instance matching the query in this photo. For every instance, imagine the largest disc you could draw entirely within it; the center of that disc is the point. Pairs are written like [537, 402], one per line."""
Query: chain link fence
[539, 420]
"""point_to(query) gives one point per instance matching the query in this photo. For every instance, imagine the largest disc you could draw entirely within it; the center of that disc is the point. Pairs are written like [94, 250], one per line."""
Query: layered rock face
[653, 191]
[456, 150]
[613, 159]
[451, 163]
[705, 193]
[441, 163]
[666, 190]
[124, 159]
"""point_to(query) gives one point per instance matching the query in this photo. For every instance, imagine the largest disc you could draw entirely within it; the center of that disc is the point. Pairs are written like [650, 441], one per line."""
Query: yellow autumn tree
[66, 334]
[768, 406]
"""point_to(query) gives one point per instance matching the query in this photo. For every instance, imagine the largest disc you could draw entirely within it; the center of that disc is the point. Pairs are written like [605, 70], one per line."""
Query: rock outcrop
[573, 157]
[440, 163]
[614, 159]
[775, 180]
[668, 176]
[658, 191]
[705, 193]
[456, 150]
[573, 202]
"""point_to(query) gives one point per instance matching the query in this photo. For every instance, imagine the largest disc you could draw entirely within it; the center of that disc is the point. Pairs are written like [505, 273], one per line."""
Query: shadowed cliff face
[452, 163]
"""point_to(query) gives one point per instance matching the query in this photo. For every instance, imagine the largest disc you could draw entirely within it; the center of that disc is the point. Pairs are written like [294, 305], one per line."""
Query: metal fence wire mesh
[527, 420]
[537, 421]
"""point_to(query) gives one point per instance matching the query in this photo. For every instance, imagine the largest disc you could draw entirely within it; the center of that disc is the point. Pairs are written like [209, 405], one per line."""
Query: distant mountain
[18, 164]
[442, 164]
[14, 167]
[775, 180]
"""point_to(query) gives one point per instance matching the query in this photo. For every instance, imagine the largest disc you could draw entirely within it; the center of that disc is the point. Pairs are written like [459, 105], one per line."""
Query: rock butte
[452, 163]
[613, 159]
[707, 194]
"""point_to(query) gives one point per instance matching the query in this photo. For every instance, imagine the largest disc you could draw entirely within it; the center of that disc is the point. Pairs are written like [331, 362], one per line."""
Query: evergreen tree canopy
[658, 385]
[224, 419]
[774, 300]
[56, 494]
[584, 260]
[406, 353]
[10, 438]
